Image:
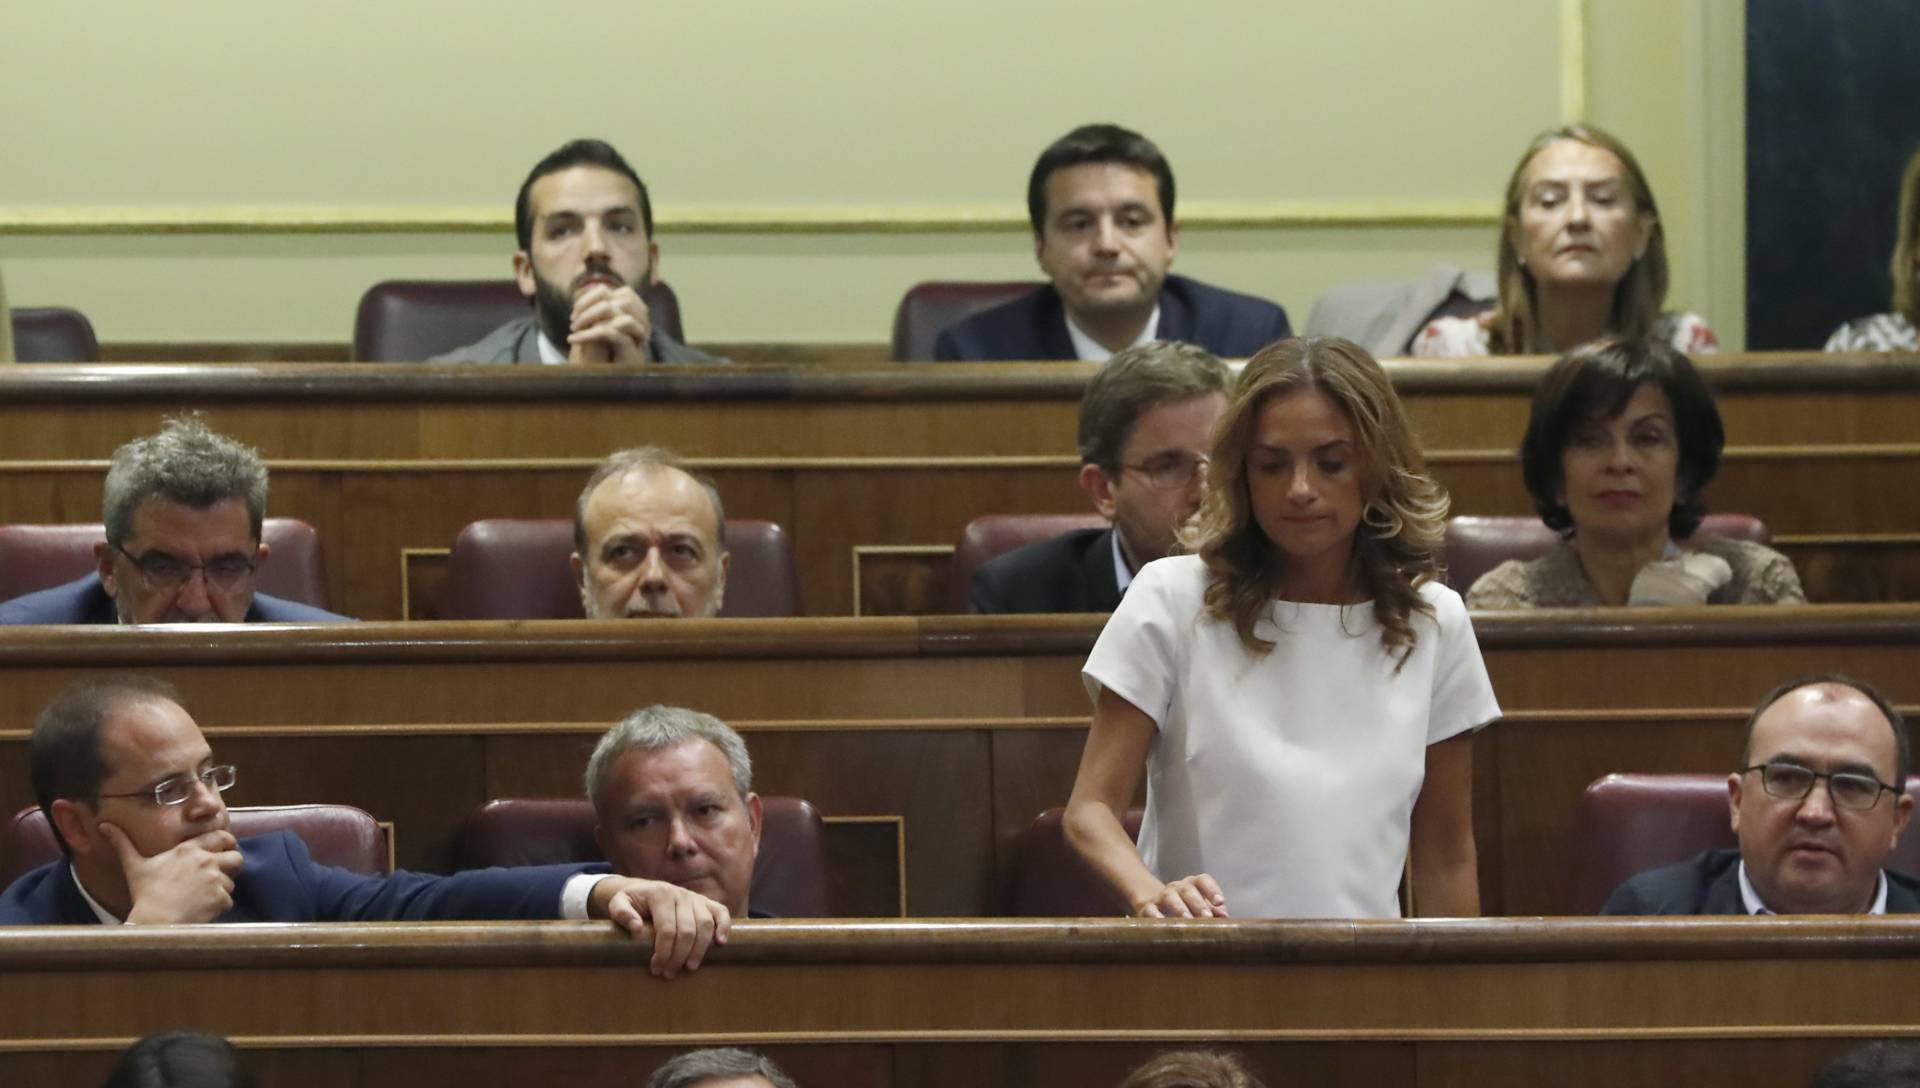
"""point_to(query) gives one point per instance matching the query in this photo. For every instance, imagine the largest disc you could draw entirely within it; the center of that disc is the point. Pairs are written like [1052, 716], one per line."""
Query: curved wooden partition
[953, 732]
[948, 1003]
[875, 469]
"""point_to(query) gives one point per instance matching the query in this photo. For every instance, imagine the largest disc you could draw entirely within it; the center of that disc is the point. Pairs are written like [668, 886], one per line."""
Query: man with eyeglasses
[183, 511]
[1146, 423]
[133, 794]
[1818, 803]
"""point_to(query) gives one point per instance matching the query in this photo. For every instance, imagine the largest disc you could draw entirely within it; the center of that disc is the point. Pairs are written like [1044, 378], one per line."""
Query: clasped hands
[610, 325]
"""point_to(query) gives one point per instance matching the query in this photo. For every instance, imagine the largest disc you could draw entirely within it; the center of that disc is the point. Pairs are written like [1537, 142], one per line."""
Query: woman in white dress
[1582, 254]
[1896, 330]
[1301, 689]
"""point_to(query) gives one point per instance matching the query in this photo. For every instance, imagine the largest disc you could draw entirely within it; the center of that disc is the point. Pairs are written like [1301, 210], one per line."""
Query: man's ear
[720, 582]
[579, 577]
[1902, 809]
[600, 840]
[523, 273]
[1099, 487]
[754, 813]
[261, 553]
[72, 820]
[1173, 241]
[103, 561]
[1734, 786]
[653, 262]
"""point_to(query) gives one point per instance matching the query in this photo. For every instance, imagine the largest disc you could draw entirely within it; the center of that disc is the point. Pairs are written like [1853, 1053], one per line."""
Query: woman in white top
[1301, 689]
[1582, 254]
[1894, 331]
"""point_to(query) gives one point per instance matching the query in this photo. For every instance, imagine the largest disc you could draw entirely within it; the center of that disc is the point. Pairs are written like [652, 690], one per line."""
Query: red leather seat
[35, 557]
[53, 334]
[1476, 545]
[930, 307]
[1629, 823]
[338, 835]
[1054, 881]
[411, 321]
[789, 876]
[991, 535]
[518, 569]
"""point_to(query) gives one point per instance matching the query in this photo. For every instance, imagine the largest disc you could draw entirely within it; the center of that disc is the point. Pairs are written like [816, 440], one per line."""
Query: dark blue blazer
[1034, 326]
[1073, 572]
[1709, 883]
[280, 883]
[87, 601]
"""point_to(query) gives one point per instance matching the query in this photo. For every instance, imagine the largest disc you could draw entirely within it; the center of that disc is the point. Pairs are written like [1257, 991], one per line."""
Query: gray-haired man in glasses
[133, 793]
[1146, 423]
[1818, 803]
[183, 514]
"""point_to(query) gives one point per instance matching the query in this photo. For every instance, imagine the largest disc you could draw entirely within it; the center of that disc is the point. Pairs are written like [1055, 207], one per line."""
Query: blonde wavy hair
[1906, 245]
[1639, 295]
[1398, 544]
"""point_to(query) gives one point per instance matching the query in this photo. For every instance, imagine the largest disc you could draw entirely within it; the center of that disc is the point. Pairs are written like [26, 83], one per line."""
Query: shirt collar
[106, 917]
[1750, 899]
[1122, 574]
[550, 355]
[1088, 350]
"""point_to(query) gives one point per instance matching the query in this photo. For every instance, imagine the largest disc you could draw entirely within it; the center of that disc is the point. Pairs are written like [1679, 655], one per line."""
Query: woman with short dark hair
[1622, 439]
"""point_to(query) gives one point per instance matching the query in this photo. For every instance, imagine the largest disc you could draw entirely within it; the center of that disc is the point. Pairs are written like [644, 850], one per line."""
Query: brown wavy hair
[1639, 295]
[1398, 544]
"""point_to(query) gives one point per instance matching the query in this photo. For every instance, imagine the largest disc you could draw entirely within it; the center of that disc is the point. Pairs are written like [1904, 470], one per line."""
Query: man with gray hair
[183, 511]
[649, 539]
[1146, 424]
[672, 793]
[720, 1067]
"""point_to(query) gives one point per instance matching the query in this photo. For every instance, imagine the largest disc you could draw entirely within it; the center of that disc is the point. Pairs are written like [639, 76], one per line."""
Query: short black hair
[584, 152]
[179, 1059]
[1902, 752]
[63, 754]
[1598, 379]
[1098, 143]
[1883, 1064]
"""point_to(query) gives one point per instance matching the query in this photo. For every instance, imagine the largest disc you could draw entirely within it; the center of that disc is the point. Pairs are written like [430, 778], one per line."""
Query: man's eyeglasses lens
[175, 791]
[1174, 470]
[1791, 782]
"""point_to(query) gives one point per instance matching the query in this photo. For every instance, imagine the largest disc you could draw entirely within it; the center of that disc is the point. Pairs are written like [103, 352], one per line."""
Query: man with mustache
[585, 227]
[649, 540]
[1100, 200]
[1818, 803]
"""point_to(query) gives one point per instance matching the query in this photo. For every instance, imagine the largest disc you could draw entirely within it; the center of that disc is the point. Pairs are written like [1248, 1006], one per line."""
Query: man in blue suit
[183, 514]
[132, 791]
[1818, 804]
[1101, 203]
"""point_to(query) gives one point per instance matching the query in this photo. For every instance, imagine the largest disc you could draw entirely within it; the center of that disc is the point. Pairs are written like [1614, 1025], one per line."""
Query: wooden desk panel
[383, 458]
[965, 728]
[1037, 1003]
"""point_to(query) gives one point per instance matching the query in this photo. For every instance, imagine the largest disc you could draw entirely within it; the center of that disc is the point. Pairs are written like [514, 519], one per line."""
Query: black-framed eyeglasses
[177, 789]
[1170, 470]
[161, 570]
[1792, 782]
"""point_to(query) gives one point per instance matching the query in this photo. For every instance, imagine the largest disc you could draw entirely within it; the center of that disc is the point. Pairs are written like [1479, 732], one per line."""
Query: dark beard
[553, 308]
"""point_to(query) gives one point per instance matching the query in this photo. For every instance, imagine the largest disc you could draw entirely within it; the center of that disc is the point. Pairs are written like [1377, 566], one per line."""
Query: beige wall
[1366, 138]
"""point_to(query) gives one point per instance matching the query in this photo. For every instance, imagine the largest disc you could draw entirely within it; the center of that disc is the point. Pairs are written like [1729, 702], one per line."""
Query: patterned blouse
[1881, 332]
[1557, 580]
[1458, 337]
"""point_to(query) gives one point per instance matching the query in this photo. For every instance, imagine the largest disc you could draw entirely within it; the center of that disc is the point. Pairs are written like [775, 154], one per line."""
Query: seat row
[1624, 824]
[515, 568]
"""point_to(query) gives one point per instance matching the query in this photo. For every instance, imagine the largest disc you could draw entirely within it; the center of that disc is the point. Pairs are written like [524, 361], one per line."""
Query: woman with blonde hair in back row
[1301, 689]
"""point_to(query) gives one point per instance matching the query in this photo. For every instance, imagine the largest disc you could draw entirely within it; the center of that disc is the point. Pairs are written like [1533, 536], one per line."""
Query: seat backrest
[53, 334]
[1476, 545]
[930, 307]
[35, 557]
[789, 876]
[338, 835]
[992, 535]
[411, 321]
[1629, 823]
[1052, 879]
[518, 569]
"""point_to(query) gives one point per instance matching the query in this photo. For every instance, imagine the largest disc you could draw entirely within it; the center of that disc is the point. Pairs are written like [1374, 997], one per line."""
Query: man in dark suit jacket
[1818, 805]
[183, 514]
[132, 792]
[1101, 203]
[1146, 424]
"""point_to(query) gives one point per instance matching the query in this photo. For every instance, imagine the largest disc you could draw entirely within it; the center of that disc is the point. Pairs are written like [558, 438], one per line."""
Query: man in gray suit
[586, 245]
